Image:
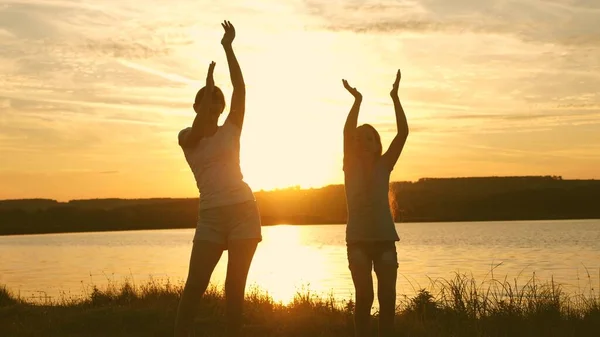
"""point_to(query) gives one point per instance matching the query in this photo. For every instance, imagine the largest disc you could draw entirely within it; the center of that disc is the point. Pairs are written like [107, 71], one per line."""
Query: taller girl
[228, 217]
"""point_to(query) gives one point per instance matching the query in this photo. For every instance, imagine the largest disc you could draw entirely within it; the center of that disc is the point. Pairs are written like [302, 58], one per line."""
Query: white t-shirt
[215, 162]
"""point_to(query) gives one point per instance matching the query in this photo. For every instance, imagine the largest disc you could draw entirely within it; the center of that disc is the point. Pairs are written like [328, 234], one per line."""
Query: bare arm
[352, 119]
[238, 98]
[192, 137]
[393, 153]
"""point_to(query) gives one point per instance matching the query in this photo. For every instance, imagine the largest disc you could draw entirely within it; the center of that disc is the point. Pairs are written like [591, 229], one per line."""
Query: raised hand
[210, 81]
[390, 157]
[351, 90]
[229, 34]
[394, 91]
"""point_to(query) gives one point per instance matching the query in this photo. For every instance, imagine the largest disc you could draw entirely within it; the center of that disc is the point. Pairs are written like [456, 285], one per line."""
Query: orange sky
[92, 96]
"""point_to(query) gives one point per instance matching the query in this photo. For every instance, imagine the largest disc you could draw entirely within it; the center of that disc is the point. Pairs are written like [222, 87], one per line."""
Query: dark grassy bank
[427, 200]
[457, 307]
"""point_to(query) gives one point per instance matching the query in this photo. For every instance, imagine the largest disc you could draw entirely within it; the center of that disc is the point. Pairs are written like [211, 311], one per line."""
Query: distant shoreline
[481, 199]
[288, 224]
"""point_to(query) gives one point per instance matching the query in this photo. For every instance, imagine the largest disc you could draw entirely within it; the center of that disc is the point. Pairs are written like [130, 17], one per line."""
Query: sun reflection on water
[283, 265]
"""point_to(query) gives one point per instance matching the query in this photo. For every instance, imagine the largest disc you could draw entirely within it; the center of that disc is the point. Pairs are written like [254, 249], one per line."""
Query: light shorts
[226, 223]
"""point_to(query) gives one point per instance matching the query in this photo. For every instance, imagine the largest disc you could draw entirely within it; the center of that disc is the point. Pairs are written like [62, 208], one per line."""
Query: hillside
[427, 200]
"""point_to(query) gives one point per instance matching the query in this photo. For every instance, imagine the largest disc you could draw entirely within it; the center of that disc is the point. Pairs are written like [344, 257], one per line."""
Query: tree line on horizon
[426, 200]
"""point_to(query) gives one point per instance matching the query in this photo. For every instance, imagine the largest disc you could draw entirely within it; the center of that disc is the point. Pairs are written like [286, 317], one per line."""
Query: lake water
[292, 258]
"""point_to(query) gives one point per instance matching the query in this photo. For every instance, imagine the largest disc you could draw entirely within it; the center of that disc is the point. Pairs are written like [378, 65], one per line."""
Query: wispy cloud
[4, 103]
[568, 23]
[105, 86]
[168, 76]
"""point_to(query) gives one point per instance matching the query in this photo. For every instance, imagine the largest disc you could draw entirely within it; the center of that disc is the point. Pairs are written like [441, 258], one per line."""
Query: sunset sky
[93, 93]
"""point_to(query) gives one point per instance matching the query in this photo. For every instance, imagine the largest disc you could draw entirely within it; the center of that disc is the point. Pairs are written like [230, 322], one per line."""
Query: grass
[456, 307]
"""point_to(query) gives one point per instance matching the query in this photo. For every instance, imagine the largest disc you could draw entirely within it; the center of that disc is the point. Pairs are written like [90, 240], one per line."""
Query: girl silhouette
[228, 215]
[370, 231]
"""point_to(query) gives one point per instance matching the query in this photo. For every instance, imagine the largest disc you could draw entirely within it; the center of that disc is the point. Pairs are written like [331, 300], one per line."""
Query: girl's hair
[217, 95]
[392, 202]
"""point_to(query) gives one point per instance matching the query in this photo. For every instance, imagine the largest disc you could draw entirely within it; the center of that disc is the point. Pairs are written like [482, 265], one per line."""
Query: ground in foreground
[457, 307]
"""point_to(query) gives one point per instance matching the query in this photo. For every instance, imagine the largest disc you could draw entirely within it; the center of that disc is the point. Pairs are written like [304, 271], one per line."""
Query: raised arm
[393, 153]
[352, 119]
[238, 98]
[191, 138]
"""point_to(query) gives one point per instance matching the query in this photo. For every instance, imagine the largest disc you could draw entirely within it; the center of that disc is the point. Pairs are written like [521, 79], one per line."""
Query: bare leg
[204, 258]
[386, 269]
[360, 267]
[241, 253]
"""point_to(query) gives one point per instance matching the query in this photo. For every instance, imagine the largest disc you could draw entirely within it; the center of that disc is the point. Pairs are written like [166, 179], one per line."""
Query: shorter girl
[370, 231]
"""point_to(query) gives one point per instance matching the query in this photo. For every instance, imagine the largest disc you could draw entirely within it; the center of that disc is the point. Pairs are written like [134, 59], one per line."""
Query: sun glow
[298, 147]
